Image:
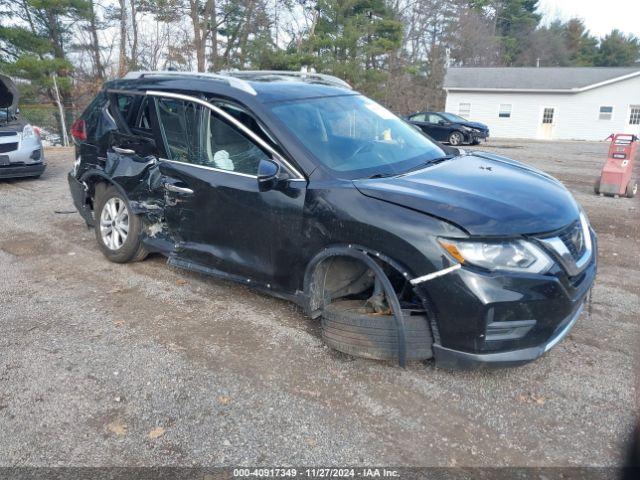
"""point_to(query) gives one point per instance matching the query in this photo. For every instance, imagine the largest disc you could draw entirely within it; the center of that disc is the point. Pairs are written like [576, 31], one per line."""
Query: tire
[475, 142]
[116, 250]
[346, 328]
[596, 186]
[632, 188]
[456, 138]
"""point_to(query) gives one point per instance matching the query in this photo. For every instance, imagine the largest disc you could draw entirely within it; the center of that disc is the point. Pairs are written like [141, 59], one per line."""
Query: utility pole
[63, 123]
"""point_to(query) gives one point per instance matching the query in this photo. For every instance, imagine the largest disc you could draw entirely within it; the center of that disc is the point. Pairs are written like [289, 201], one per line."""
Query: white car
[21, 153]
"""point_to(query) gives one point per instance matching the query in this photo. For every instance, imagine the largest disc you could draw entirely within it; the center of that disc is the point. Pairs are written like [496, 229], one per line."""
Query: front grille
[8, 147]
[573, 239]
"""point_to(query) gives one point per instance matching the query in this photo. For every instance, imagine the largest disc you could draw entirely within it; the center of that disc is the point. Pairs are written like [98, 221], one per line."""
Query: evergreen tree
[618, 50]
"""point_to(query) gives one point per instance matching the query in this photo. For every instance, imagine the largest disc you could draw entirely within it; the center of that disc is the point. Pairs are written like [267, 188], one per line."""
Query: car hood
[9, 94]
[482, 193]
[481, 126]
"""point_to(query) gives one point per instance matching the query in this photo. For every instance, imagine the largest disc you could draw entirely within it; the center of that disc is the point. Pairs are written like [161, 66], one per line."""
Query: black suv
[447, 127]
[298, 186]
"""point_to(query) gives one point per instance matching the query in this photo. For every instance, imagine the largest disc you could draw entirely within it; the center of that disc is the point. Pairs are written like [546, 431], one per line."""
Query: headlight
[28, 132]
[511, 255]
[465, 128]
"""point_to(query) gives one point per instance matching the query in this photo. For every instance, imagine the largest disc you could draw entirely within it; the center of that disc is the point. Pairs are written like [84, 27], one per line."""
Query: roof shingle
[549, 78]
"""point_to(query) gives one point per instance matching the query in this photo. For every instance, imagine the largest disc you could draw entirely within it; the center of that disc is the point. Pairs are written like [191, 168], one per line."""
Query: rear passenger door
[214, 209]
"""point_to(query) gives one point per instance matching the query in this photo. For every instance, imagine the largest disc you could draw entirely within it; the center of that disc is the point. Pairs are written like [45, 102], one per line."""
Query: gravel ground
[142, 364]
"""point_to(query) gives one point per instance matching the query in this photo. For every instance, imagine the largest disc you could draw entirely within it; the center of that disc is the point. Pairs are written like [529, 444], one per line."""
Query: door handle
[123, 151]
[174, 188]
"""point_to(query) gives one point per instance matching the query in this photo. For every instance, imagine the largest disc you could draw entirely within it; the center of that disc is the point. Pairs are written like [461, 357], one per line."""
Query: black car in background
[298, 186]
[447, 127]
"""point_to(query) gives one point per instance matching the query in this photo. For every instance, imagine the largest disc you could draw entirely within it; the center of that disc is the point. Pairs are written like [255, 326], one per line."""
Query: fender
[311, 304]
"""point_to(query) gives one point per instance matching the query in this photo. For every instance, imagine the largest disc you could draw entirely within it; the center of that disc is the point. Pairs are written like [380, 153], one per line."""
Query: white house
[547, 103]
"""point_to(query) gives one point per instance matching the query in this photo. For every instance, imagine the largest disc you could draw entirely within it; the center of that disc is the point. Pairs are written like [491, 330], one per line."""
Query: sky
[600, 16]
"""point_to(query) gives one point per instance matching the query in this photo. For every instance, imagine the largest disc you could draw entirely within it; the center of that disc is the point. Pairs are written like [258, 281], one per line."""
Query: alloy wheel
[114, 223]
[455, 139]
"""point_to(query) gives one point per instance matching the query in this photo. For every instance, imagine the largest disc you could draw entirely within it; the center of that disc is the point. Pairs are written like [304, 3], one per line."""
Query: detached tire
[118, 231]
[346, 327]
[632, 189]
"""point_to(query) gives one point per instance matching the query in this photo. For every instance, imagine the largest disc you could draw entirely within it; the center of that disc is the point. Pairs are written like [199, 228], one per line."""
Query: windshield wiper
[382, 175]
[430, 162]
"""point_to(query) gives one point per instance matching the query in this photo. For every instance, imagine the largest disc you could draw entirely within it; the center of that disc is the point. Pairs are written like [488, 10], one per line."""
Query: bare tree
[122, 56]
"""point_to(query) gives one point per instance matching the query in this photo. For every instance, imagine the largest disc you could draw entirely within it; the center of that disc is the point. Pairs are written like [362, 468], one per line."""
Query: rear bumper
[454, 359]
[79, 197]
[22, 170]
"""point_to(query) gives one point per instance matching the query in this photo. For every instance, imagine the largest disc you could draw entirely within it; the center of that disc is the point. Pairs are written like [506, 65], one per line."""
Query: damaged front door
[214, 210]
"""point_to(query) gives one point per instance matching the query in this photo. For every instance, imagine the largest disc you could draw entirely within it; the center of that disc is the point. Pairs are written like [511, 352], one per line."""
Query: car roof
[263, 86]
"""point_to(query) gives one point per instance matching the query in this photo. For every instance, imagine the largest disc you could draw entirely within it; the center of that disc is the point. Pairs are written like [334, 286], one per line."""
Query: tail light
[79, 130]
[37, 130]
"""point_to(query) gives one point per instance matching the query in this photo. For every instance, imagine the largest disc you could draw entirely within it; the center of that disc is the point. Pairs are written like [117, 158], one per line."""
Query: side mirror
[268, 175]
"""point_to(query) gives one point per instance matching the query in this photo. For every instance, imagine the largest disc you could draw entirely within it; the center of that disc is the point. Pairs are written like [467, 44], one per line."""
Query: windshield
[453, 118]
[355, 137]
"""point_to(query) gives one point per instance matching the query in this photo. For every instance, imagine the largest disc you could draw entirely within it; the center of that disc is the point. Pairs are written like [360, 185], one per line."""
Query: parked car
[21, 153]
[447, 127]
[300, 187]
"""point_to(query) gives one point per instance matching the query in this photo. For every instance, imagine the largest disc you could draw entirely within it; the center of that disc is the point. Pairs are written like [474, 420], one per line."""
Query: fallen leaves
[156, 433]
[119, 323]
[531, 398]
[118, 428]
[181, 281]
[224, 400]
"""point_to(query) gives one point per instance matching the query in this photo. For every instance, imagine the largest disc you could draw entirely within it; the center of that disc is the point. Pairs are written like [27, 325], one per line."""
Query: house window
[547, 116]
[606, 113]
[464, 110]
[505, 110]
[634, 117]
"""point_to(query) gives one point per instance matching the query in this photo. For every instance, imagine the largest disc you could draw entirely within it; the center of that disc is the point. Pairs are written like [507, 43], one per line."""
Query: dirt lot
[142, 364]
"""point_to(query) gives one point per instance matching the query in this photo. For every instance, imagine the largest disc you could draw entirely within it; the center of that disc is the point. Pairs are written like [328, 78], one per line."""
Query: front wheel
[632, 189]
[456, 138]
[118, 231]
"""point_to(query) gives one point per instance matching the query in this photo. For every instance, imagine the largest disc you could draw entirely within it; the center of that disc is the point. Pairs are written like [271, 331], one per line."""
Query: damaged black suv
[296, 185]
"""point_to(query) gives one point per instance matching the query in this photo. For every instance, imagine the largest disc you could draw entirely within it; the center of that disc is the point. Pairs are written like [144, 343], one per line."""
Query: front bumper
[454, 359]
[19, 170]
[27, 160]
[476, 136]
[482, 319]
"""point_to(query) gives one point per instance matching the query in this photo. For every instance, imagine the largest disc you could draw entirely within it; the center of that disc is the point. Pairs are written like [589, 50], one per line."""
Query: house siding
[576, 115]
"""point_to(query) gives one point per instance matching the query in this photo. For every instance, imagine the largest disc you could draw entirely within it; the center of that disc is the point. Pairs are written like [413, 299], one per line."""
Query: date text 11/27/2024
[316, 472]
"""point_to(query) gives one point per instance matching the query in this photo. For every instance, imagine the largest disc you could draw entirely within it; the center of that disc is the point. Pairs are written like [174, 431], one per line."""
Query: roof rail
[255, 74]
[232, 81]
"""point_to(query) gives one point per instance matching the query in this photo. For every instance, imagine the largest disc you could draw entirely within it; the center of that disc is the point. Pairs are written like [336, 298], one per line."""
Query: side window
[435, 119]
[227, 148]
[421, 117]
[195, 134]
[180, 124]
[143, 121]
[125, 102]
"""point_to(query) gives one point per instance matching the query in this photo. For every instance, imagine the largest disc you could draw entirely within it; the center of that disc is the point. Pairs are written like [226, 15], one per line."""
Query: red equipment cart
[616, 177]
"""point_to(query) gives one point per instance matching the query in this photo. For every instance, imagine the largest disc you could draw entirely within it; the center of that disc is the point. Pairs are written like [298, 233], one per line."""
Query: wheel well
[346, 277]
[95, 184]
